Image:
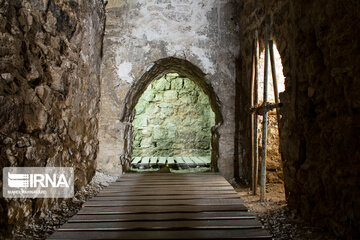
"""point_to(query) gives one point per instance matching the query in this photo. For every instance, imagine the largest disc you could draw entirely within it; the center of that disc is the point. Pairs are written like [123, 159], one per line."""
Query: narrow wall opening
[274, 165]
[172, 126]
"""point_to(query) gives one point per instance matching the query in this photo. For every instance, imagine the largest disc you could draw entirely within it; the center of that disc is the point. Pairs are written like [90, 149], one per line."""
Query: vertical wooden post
[264, 132]
[252, 129]
[254, 117]
[273, 71]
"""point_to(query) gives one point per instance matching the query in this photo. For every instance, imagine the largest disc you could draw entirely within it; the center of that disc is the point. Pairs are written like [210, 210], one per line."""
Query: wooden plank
[179, 160]
[162, 197]
[173, 176]
[142, 164]
[145, 160]
[136, 181]
[176, 186]
[173, 184]
[206, 159]
[153, 160]
[170, 183]
[162, 160]
[188, 161]
[168, 191]
[170, 188]
[181, 163]
[136, 160]
[162, 225]
[178, 202]
[160, 209]
[233, 215]
[181, 234]
[198, 161]
[176, 177]
[170, 160]
[203, 175]
[164, 183]
[163, 192]
[169, 177]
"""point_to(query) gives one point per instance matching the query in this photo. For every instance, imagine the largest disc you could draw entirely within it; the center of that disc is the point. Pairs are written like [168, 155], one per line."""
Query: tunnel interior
[72, 73]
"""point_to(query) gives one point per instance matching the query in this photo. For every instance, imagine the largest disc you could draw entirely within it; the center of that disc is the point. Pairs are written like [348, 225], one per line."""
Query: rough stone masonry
[50, 55]
[320, 118]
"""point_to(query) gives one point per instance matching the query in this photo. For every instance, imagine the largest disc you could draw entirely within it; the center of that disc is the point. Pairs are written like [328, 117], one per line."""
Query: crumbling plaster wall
[50, 55]
[319, 45]
[138, 33]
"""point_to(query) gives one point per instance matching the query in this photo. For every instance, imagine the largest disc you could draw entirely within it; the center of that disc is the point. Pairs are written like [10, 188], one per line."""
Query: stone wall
[320, 117]
[50, 54]
[173, 118]
[138, 34]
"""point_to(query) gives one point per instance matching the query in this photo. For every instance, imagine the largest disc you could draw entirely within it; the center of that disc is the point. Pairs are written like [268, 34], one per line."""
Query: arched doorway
[172, 126]
[160, 68]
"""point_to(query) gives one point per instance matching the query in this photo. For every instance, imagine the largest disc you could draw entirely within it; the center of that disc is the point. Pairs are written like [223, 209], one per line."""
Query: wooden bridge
[164, 206]
[174, 163]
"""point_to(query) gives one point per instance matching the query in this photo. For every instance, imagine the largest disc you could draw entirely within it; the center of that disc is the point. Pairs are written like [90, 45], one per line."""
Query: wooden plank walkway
[164, 206]
[171, 162]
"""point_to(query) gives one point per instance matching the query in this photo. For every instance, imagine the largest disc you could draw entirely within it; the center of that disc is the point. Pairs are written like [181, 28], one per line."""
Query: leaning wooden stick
[254, 118]
[273, 71]
[264, 132]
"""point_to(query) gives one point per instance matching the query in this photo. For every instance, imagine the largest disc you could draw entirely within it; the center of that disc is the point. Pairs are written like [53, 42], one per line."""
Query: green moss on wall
[173, 118]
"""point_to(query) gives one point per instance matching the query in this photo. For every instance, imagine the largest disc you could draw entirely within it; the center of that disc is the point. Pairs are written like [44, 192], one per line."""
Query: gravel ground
[53, 219]
[278, 219]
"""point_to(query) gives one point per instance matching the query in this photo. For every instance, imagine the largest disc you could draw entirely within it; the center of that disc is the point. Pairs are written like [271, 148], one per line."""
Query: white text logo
[35, 180]
[38, 182]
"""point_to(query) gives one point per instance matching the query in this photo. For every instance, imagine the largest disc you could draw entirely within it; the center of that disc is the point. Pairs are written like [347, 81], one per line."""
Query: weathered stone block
[148, 96]
[159, 133]
[159, 96]
[171, 95]
[161, 85]
[152, 109]
[188, 84]
[177, 84]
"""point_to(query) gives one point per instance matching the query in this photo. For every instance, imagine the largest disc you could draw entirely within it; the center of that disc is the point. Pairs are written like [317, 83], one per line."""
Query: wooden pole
[264, 132]
[273, 71]
[252, 115]
[256, 116]
[255, 156]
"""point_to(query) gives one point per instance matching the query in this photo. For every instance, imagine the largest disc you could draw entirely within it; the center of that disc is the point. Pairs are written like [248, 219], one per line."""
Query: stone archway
[157, 69]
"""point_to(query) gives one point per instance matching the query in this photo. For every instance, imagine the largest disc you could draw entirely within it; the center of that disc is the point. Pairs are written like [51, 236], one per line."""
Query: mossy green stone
[173, 117]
